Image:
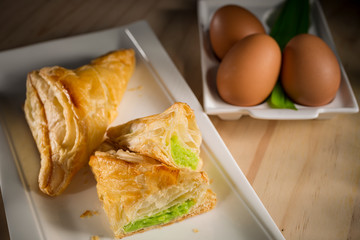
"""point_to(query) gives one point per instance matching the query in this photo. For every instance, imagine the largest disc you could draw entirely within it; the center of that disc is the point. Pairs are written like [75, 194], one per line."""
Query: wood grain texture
[307, 173]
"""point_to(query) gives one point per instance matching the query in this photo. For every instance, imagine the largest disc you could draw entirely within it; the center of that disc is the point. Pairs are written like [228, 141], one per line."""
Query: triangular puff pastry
[68, 112]
[139, 193]
[172, 137]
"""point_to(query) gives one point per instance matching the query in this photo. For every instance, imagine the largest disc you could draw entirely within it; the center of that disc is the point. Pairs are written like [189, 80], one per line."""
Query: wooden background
[307, 173]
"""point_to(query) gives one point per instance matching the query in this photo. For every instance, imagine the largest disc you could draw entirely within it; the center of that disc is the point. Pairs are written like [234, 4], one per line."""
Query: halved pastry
[172, 137]
[68, 112]
[139, 193]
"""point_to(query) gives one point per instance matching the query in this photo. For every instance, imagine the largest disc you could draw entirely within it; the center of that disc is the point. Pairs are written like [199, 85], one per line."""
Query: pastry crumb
[88, 213]
[94, 238]
[135, 88]
[195, 230]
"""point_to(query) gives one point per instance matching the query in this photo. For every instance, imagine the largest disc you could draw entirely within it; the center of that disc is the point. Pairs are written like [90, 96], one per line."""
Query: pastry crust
[131, 187]
[68, 112]
[151, 136]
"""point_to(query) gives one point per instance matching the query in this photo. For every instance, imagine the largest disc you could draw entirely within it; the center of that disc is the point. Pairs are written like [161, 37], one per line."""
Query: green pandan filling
[162, 217]
[182, 156]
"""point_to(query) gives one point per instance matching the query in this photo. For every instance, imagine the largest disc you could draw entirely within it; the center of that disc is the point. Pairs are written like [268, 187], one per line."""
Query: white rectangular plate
[155, 85]
[344, 101]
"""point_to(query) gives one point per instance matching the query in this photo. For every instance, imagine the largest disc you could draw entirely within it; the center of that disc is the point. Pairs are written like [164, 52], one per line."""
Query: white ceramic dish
[344, 101]
[155, 85]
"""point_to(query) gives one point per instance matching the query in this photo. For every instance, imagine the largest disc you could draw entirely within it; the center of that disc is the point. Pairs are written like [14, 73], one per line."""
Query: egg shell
[310, 72]
[249, 71]
[230, 24]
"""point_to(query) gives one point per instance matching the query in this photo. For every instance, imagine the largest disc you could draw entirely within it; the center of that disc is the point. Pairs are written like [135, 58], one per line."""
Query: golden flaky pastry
[68, 112]
[139, 193]
[172, 137]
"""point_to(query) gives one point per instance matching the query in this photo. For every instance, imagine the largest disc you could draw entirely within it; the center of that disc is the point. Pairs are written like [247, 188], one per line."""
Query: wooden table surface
[307, 173]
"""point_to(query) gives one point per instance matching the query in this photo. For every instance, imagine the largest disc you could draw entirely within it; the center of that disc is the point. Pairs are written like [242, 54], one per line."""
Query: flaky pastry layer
[152, 135]
[68, 112]
[132, 187]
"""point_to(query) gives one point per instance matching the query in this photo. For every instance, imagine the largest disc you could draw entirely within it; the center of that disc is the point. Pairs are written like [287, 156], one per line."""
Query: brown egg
[310, 72]
[249, 71]
[228, 25]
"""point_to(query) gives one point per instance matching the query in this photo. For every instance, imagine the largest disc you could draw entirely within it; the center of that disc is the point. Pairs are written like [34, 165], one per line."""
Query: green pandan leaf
[293, 20]
[278, 98]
